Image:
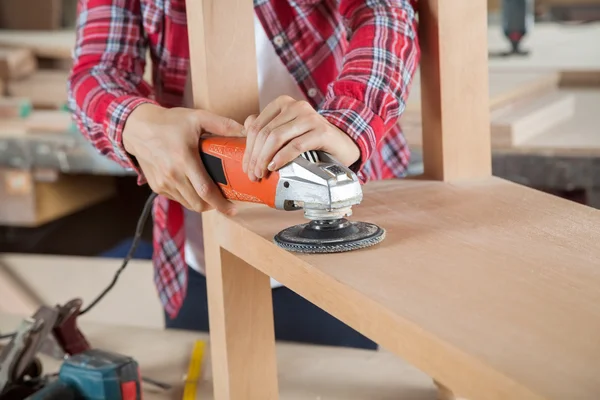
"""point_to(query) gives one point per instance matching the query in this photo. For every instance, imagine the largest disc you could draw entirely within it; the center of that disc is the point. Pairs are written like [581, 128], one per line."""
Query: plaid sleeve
[371, 92]
[106, 82]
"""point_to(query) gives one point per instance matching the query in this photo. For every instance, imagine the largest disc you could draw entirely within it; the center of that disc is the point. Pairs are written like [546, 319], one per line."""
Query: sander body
[314, 182]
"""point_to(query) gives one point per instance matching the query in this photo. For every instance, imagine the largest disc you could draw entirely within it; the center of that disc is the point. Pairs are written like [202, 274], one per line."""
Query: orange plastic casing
[222, 157]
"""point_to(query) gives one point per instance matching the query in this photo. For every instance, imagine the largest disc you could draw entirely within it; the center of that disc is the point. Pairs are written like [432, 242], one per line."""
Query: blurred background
[58, 196]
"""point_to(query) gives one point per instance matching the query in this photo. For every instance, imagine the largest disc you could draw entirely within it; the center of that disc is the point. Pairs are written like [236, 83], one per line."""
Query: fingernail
[271, 166]
[232, 211]
[252, 177]
[259, 174]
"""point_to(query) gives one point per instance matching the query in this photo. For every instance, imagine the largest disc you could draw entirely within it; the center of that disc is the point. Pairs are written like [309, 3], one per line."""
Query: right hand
[165, 143]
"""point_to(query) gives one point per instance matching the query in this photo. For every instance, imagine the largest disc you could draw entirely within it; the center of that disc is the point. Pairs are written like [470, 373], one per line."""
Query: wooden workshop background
[59, 198]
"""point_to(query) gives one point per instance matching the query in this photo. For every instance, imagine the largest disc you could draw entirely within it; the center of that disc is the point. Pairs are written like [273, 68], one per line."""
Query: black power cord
[134, 245]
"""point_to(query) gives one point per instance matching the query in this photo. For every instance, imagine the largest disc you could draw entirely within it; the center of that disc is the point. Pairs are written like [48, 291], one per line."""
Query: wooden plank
[241, 325]
[223, 58]
[481, 285]
[505, 87]
[517, 123]
[28, 202]
[221, 33]
[577, 136]
[45, 88]
[455, 105]
[16, 63]
[14, 107]
[48, 121]
[49, 44]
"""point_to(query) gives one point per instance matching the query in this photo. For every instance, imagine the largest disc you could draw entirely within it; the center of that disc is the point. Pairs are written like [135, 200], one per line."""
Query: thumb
[217, 125]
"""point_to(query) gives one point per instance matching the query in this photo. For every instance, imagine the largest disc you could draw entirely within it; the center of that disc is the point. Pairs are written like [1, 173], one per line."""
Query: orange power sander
[314, 182]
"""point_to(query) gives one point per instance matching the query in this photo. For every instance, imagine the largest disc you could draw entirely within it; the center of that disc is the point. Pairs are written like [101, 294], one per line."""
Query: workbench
[306, 372]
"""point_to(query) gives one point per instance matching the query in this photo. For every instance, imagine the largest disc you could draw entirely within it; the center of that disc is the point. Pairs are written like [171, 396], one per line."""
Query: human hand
[285, 129]
[165, 143]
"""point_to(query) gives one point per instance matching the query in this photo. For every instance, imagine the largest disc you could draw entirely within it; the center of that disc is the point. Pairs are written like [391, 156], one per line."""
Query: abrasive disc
[332, 236]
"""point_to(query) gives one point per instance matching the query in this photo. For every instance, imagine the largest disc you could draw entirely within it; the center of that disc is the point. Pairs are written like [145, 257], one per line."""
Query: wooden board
[489, 287]
[48, 121]
[505, 87]
[577, 136]
[454, 114]
[51, 44]
[16, 63]
[524, 120]
[45, 88]
[29, 202]
[14, 107]
[307, 372]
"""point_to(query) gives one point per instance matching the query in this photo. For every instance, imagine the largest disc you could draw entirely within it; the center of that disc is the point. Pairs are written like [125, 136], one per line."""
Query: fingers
[217, 125]
[267, 115]
[278, 138]
[249, 121]
[205, 187]
[312, 140]
[166, 186]
[277, 126]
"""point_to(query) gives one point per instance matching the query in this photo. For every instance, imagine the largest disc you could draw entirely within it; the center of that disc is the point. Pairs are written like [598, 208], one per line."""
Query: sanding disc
[332, 236]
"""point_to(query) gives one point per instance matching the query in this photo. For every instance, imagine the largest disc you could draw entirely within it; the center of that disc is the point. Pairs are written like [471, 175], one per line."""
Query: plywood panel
[524, 120]
[52, 44]
[482, 285]
[45, 88]
[505, 87]
[455, 110]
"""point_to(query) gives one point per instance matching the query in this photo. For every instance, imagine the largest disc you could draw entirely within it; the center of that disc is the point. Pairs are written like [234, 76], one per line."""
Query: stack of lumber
[543, 102]
[34, 67]
[33, 83]
[522, 105]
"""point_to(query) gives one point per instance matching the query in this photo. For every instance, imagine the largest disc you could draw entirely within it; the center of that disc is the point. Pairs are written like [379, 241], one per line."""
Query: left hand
[285, 129]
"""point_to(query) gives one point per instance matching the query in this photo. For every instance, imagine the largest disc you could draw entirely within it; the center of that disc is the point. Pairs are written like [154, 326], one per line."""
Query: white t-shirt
[274, 80]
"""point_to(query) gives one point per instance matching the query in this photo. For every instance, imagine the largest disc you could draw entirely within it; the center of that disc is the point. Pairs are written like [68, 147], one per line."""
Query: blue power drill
[94, 375]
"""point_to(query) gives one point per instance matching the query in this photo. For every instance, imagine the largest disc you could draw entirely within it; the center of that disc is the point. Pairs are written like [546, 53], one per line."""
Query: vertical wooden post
[223, 57]
[241, 324]
[454, 89]
[224, 81]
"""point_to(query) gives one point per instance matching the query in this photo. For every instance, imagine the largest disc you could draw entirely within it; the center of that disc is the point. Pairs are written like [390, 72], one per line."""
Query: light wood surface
[223, 57]
[306, 372]
[16, 63]
[45, 88]
[30, 202]
[482, 285]
[504, 87]
[455, 105]
[224, 81]
[52, 44]
[579, 135]
[523, 120]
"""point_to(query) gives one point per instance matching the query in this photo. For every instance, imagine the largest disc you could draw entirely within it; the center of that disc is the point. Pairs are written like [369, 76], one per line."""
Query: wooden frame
[489, 287]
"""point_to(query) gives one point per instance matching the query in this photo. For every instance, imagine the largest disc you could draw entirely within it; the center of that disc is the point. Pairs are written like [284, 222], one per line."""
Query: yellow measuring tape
[194, 371]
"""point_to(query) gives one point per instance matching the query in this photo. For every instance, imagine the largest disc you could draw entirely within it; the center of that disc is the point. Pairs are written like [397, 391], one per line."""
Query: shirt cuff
[116, 115]
[359, 122]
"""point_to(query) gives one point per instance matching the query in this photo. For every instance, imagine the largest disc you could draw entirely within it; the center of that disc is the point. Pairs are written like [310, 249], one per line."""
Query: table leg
[241, 327]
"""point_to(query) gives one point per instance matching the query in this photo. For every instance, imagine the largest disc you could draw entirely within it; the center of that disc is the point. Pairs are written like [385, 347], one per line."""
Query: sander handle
[222, 158]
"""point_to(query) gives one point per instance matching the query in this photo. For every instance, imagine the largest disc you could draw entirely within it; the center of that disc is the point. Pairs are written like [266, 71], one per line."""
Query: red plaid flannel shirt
[354, 60]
